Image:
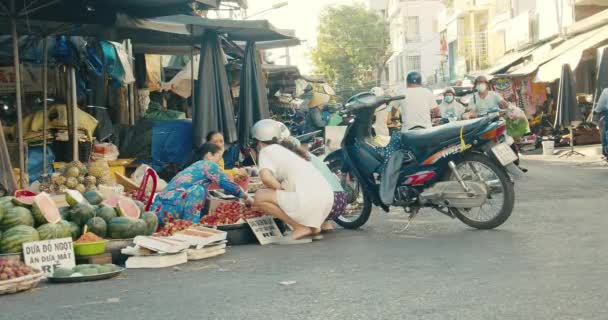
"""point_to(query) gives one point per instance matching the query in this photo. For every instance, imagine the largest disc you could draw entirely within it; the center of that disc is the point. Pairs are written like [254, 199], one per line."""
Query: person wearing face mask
[484, 100]
[450, 108]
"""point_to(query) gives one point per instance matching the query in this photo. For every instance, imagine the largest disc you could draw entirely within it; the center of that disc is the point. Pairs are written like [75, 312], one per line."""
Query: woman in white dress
[297, 193]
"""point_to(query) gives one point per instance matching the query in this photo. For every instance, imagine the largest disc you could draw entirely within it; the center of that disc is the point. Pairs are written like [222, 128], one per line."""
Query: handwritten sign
[265, 229]
[48, 255]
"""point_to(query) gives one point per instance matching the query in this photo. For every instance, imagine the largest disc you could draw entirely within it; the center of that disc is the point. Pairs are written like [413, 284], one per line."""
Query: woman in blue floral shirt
[184, 196]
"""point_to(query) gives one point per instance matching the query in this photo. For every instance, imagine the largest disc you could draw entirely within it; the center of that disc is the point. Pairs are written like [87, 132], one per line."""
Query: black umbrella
[567, 106]
[601, 82]
[253, 102]
[213, 109]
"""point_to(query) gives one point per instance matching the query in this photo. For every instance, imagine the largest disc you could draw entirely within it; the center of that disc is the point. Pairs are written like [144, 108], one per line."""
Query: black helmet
[414, 77]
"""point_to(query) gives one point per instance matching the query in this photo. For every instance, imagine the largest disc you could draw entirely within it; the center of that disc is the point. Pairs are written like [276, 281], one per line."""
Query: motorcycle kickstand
[413, 213]
[460, 180]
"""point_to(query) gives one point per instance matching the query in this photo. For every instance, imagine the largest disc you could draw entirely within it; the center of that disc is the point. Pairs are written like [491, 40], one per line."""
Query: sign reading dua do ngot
[48, 255]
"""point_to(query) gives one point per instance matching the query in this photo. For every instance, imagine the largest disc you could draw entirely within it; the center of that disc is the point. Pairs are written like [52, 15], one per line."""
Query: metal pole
[45, 73]
[131, 87]
[74, 112]
[192, 70]
[22, 183]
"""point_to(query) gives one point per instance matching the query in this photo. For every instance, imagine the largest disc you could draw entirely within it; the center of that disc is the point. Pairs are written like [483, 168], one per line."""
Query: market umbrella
[253, 102]
[567, 106]
[212, 109]
[601, 82]
[7, 179]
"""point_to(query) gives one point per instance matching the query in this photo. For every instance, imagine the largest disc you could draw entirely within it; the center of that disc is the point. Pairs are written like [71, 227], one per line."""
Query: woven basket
[20, 284]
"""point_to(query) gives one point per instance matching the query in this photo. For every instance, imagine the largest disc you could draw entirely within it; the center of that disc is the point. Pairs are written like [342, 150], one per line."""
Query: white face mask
[482, 87]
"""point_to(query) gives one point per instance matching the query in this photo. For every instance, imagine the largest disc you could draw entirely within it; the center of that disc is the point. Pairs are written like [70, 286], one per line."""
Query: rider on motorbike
[451, 109]
[420, 102]
[485, 101]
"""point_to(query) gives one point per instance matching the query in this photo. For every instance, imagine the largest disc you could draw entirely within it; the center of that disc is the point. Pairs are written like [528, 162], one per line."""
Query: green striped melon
[81, 213]
[98, 226]
[139, 228]
[121, 228]
[25, 201]
[16, 216]
[106, 213]
[128, 208]
[74, 197]
[75, 230]
[54, 231]
[13, 238]
[151, 220]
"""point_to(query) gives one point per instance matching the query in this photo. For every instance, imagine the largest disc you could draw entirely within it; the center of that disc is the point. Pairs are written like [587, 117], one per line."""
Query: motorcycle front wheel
[359, 205]
[501, 194]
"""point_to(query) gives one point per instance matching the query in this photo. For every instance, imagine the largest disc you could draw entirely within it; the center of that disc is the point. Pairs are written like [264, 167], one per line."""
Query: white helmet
[266, 130]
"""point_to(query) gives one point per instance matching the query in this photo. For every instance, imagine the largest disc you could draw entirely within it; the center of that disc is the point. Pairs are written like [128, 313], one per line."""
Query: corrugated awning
[244, 30]
[549, 65]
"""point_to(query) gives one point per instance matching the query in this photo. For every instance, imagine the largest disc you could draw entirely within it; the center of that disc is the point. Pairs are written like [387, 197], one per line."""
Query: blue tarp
[171, 143]
[34, 162]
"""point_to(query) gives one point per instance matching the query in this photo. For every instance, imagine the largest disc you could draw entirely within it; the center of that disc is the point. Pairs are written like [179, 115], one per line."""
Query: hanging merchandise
[125, 63]
[88, 55]
[504, 87]
[114, 69]
[527, 102]
[153, 72]
[64, 53]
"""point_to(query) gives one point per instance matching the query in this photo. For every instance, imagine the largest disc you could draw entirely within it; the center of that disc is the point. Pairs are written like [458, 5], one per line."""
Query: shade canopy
[601, 82]
[213, 109]
[253, 102]
[567, 106]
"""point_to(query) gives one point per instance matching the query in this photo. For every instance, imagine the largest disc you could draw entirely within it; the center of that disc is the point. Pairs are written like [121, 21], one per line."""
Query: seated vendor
[184, 196]
[217, 138]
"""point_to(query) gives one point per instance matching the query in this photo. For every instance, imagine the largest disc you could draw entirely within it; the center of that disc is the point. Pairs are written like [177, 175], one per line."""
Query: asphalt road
[549, 261]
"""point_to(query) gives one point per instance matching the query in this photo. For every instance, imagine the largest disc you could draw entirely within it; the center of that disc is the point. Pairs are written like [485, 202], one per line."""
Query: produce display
[172, 227]
[77, 176]
[88, 237]
[229, 213]
[85, 270]
[13, 269]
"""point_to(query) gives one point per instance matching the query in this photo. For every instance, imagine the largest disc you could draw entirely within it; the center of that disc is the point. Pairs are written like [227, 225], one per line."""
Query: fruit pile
[27, 219]
[172, 227]
[229, 213]
[77, 176]
[85, 270]
[12, 269]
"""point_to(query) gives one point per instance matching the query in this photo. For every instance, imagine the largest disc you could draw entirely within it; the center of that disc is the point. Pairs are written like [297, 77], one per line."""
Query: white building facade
[415, 41]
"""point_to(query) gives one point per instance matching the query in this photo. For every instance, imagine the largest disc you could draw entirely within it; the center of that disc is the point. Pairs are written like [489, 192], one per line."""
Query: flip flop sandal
[290, 241]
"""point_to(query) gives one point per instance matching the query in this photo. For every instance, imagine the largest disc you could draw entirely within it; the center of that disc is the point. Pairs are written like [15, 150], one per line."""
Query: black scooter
[460, 169]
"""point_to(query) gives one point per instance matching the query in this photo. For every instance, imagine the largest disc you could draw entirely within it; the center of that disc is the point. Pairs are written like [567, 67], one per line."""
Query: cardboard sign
[48, 255]
[265, 229]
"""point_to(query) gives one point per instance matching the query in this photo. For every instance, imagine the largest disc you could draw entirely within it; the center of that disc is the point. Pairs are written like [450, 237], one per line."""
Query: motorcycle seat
[438, 135]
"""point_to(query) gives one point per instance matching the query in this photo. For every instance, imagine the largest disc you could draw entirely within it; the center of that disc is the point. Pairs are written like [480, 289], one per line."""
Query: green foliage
[352, 46]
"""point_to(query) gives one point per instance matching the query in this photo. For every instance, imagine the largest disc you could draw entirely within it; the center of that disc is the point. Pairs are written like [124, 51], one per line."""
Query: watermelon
[93, 197]
[54, 231]
[65, 213]
[63, 272]
[111, 201]
[127, 208]
[6, 199]
[81, 213]
[25, 201]
[45, 210]
[120, 228]
[75, 231]
[13, 238]
[106, 213]
[98, 226]
[16, 216]
[139, 228]
[74, 198]
[151, 220]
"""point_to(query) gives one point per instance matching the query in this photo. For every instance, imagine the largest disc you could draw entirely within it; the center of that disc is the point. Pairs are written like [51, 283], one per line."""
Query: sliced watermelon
[128, 208]
[45, 209]
[24, 201]
[74, 197]
[111, 201]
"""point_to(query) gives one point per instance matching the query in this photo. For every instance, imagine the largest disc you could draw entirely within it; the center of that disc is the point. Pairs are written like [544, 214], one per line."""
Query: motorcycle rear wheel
[508, 193]
[359, 206]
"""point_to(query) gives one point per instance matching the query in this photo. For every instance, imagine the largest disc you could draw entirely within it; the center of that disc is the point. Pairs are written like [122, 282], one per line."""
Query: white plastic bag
[138, 176]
